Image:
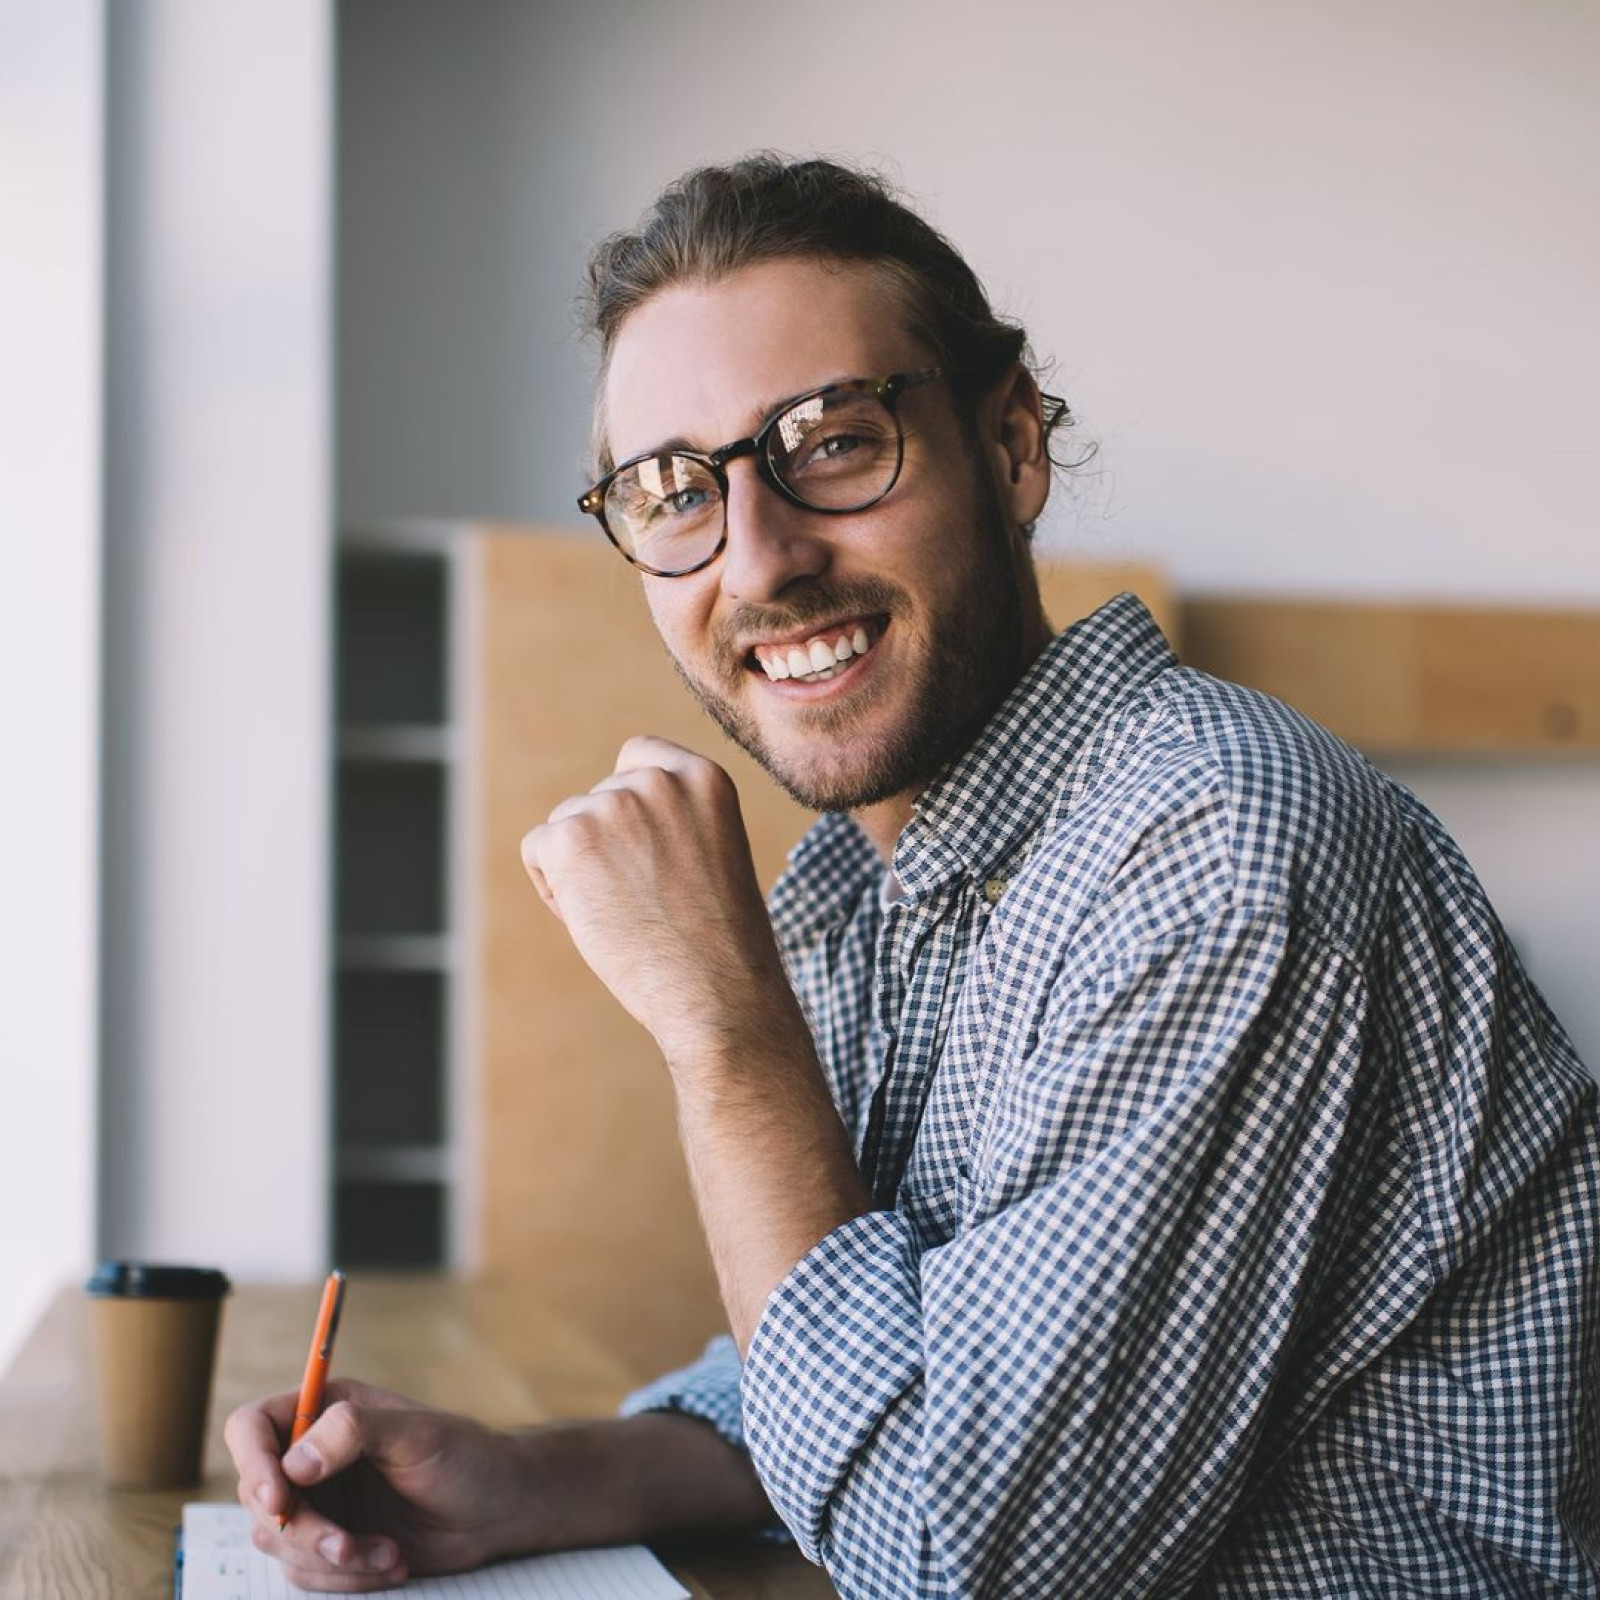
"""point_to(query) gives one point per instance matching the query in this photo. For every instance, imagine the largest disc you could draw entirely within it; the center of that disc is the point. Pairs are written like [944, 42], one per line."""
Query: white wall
[50, 383]
[1319, 279]
[214, 1107]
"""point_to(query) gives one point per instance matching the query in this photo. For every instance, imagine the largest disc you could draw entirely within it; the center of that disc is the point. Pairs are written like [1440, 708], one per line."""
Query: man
[1132, 1157]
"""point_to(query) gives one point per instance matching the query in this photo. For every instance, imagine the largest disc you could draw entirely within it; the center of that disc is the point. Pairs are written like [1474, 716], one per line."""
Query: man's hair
[715, 220]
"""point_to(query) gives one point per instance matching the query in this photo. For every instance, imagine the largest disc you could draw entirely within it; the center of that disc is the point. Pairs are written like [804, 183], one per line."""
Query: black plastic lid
[147, 1281]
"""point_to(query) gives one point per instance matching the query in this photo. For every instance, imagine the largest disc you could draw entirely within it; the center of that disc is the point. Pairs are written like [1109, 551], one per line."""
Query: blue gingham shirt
[1238, 1191]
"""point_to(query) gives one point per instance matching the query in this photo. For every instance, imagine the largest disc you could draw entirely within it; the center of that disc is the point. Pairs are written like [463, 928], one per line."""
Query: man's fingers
[645, 767]
[306, 1530]
[640, 780]
[531, 844]
[316, 1553]
[336, 1440]
[254, 1436]
[647, 750]
[317, 1556]
[392, 1433]
[644, 754]
[576, 805]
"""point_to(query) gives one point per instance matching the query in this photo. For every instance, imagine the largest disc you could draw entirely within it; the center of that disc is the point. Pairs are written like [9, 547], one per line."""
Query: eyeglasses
[836, 450]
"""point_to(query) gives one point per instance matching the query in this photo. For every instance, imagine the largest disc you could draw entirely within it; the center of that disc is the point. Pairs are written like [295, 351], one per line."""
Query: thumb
[383, 1429]
[340, 1437]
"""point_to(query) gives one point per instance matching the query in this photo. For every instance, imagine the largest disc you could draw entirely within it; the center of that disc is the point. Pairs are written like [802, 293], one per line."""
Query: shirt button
[993, 888]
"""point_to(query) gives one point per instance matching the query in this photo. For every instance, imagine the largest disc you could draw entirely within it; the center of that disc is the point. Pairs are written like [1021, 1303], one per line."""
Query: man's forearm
[621, 1481]
[652, 875]
[769, 1160]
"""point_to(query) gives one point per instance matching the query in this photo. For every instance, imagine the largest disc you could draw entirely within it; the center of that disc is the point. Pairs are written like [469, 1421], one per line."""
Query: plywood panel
[1072, 589]
[1393, 679]
[582, 1185]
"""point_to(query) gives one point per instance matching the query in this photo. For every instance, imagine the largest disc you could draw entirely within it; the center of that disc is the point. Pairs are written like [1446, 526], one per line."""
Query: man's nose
[771, 541]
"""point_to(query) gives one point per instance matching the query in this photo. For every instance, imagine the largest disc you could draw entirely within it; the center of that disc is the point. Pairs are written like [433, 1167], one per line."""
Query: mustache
[800, 607]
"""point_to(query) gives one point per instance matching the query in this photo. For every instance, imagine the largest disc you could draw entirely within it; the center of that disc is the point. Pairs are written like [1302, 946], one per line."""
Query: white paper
[220, 1563]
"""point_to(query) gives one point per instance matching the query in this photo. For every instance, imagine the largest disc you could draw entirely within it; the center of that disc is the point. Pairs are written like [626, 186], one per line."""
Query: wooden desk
[498, 1354]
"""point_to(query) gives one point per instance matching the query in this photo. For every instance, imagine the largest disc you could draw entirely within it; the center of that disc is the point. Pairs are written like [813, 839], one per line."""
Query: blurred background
[287, 308]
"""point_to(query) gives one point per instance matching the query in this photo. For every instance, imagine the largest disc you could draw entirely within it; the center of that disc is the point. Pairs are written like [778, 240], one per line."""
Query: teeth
[816, 660]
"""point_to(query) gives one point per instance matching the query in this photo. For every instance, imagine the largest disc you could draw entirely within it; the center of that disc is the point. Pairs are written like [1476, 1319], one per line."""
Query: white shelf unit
[400, 1109]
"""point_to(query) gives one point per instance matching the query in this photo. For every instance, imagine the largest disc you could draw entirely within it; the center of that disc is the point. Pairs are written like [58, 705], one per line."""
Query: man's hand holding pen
[380, 1488]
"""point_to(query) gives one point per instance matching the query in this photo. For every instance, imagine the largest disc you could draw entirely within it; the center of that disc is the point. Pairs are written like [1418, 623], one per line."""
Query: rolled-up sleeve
[707, 1389]
[1068, 1391]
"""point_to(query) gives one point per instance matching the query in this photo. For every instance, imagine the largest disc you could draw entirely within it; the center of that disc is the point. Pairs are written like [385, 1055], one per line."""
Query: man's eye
[837, 447]
[683, 502]
[642, 507]
[657, 516]
[838, 444]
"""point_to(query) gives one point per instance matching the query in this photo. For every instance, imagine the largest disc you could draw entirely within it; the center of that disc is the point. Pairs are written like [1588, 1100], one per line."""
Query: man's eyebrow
[763, 414]
[666, 447]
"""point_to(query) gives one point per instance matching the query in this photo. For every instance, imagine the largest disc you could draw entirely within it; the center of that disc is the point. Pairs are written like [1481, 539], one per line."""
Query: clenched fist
[651, 873]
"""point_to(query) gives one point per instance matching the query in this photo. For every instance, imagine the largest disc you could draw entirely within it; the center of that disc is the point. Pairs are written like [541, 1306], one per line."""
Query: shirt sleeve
[1068, 1391]
[707, 1388]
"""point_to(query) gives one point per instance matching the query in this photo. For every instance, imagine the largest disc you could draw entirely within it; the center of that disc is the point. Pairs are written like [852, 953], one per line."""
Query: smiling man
[1133, 1158]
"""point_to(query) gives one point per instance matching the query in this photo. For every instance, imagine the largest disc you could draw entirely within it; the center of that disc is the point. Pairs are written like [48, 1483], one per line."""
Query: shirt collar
[990, 800]
[826, 873]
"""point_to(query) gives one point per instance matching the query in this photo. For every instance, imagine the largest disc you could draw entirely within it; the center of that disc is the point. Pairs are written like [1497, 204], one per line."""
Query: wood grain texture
[496, 1352]
[1413, 679]
[581, 1178]
[582, 1185]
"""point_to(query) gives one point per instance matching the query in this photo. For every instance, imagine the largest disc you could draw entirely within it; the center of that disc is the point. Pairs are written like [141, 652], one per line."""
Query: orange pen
[309, 1406]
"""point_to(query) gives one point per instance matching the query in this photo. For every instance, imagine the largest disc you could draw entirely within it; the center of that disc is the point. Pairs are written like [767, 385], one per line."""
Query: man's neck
[884, 822]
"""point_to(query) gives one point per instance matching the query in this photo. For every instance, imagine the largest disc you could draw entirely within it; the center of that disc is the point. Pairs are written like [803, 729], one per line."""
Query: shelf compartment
[392, 846]
[391, 1038]
[390, 1224]
[393, 614]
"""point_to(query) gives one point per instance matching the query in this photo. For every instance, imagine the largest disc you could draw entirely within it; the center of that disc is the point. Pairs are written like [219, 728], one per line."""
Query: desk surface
[495, 1353]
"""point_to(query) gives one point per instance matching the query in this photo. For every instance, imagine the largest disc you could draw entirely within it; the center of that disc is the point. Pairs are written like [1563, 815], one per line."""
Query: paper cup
[155, 1334]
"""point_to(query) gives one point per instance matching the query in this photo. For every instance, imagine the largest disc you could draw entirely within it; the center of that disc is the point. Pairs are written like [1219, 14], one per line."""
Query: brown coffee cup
[155, 1334]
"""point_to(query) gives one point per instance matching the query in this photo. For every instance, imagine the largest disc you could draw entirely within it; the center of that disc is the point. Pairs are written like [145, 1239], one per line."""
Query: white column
[218, 525]
[50, 387]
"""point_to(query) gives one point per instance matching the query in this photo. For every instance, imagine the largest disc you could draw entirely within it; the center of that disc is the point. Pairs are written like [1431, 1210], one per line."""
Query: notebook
[216, 1561]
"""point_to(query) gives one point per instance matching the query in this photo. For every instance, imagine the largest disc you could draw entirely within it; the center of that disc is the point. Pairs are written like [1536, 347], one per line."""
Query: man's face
[920, 594]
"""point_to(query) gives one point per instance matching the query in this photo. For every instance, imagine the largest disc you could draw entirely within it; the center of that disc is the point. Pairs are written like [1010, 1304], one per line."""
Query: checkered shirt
[1238, 1193]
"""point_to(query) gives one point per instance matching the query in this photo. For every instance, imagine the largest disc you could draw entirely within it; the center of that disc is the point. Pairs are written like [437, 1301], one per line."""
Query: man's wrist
[759, 1037]
[620, 1481]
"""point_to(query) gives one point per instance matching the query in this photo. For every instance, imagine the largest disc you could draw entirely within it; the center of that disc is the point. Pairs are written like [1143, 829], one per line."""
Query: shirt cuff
[839, 1342]
[708, 1389]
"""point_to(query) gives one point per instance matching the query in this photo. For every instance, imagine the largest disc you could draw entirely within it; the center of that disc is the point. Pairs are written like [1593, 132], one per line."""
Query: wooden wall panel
[1413, 679]
[1072, 589]
[582, 1188]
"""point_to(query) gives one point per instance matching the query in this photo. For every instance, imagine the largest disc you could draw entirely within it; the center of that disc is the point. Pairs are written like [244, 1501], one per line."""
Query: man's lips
[818, 654]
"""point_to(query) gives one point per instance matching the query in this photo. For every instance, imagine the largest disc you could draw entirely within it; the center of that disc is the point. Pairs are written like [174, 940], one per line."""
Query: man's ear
[1012, 418]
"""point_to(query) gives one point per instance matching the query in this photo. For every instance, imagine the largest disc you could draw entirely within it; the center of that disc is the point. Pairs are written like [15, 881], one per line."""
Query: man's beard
[973, 661]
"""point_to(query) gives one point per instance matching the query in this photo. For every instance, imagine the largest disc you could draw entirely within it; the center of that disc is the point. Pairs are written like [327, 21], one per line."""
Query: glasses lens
[837, 451]
[666, 512]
